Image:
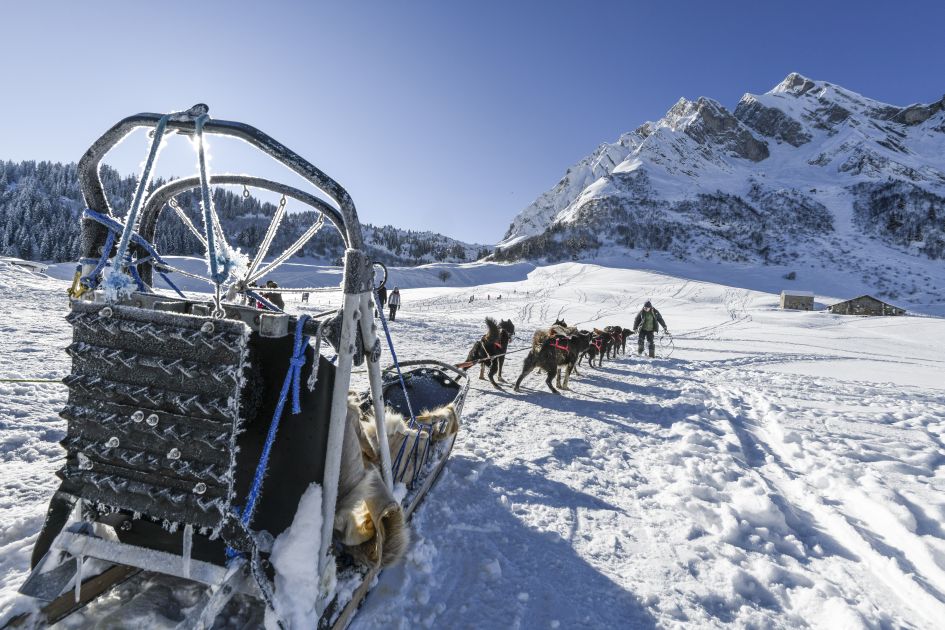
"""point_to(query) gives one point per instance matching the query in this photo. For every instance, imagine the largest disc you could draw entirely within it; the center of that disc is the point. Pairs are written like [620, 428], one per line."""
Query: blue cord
[413, 418]
[293, 381]
[91, 280]
[269, 305]
[114, 227]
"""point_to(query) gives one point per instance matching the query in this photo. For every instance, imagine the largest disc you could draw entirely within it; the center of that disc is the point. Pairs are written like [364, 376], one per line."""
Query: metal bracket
[273, 324]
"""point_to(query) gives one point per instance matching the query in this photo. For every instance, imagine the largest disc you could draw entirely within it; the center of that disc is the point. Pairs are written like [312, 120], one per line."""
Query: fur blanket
[557, 330]
[369, 520]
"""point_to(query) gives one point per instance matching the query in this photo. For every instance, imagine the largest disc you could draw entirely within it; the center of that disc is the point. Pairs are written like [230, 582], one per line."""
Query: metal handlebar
[94, 234]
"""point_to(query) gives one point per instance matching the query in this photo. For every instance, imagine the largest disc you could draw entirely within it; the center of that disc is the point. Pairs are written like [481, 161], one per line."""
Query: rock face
[708, 123]
[917, 114]
[771, 122]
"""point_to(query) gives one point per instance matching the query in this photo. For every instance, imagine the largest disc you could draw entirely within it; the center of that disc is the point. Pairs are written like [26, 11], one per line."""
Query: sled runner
[196, 427]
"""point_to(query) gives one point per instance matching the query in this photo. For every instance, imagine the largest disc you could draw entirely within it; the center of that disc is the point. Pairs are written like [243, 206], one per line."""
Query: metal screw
[105, 312]
[207, 327]
[174, 453]
[152, 420]
[125, 526]
[200, 488]
[112, 442]
[137, 416]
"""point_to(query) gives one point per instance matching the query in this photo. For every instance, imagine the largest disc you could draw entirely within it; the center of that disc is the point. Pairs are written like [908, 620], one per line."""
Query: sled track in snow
[923, 593]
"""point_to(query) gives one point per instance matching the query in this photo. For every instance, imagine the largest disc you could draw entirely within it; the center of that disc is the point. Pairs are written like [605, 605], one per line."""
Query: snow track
[779, 470]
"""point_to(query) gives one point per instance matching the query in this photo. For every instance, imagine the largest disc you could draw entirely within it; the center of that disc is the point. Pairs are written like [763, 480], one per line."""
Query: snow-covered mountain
[808, 173]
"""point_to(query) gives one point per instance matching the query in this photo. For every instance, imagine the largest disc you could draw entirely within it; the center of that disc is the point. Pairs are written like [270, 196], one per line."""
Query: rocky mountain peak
[794, 83]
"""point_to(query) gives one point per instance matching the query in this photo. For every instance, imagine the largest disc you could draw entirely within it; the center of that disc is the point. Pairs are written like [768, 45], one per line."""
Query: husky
[559, 345]
[494, 343]
[597, 347]
[617, 339]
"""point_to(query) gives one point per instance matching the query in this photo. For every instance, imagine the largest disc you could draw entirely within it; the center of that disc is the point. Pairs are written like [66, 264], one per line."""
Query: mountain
[807, 173]
[40, 205]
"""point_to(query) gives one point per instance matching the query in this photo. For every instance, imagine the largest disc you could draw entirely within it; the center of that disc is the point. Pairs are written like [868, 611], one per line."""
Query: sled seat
[428, 384]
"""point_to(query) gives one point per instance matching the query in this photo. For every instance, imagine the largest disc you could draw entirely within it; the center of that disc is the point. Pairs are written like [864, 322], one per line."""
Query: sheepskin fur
[368, 519]
[444, 423]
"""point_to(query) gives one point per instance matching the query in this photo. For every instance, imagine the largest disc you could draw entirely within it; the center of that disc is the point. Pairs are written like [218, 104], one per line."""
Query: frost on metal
[153, 413]
[117, 284]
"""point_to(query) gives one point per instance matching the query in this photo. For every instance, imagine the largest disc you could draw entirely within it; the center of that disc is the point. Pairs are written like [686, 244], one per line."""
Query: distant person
[394, 303]
[647, 322]
[305, 297]
[381, 296]
[273, 297]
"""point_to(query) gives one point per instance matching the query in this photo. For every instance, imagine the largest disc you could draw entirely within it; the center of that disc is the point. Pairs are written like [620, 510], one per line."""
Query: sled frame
[357, 308]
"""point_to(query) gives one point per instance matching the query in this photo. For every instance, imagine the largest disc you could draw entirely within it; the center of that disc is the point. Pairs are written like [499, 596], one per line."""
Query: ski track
[713, 488]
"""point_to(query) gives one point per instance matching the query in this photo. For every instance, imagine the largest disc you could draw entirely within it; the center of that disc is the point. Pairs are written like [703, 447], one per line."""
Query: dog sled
[203, 434]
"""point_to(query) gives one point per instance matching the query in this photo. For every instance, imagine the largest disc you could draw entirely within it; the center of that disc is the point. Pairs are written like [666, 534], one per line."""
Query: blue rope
[114, 227]
[134, 274]
[269, 305]
[91, 280]
[292, 381]
[413, 418]
[171, 284]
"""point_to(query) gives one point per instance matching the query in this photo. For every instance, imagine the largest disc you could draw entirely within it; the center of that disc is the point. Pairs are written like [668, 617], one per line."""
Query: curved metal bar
[433, 362]
[383, 267]
[161, 196]
[93, 234]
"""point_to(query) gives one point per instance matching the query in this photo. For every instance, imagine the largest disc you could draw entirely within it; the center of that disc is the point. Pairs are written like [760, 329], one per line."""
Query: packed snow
[770, 469]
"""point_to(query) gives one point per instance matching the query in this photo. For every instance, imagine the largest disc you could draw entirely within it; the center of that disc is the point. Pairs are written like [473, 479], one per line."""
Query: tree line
[41, 205]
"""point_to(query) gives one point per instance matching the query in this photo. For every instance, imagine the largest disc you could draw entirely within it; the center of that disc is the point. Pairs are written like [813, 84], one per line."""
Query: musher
[646, 323]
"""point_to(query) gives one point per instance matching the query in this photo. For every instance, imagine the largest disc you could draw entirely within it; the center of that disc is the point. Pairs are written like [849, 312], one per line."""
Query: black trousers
[648, 335]
[393, 313]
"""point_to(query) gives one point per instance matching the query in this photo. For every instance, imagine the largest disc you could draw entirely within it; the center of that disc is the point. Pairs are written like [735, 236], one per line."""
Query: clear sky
[449, 116]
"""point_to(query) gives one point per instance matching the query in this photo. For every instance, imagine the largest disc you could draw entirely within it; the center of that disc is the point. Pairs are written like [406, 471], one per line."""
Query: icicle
[78, 578]
[188, 545]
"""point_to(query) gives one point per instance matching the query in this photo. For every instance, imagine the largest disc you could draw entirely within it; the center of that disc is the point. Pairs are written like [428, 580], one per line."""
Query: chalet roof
[793, 293]
[866, 297]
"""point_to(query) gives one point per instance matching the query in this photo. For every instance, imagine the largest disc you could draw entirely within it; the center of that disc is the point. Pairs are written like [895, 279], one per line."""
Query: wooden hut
[865, 305]
[797, 300]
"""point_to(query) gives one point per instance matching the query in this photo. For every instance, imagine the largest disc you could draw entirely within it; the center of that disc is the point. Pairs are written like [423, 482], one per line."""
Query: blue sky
[449, 116]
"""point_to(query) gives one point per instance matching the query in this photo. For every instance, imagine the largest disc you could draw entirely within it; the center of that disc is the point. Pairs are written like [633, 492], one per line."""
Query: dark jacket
[656, 316]
[382, 294]
[276, 299]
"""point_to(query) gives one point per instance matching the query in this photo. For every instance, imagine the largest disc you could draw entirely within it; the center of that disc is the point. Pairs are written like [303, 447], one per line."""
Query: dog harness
[559, 343]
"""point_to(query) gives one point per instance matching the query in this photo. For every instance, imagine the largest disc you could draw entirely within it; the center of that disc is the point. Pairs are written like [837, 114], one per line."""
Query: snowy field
[777, 469]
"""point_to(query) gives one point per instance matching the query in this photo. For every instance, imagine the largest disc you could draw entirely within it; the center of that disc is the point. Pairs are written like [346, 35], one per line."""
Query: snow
[680, 157]
[294, 556]
[778, 469]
